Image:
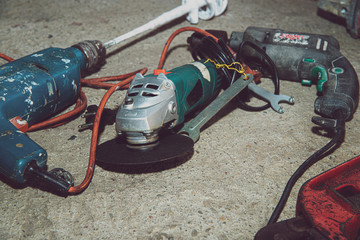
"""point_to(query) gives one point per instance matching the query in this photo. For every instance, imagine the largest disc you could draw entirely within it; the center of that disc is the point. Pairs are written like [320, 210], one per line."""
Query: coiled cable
[205, 47]
[259, 62]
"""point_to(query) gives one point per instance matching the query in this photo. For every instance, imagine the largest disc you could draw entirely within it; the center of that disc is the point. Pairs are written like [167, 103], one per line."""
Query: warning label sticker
[291, 38]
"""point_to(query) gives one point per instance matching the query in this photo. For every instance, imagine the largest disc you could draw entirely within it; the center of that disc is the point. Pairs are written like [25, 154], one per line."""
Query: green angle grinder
[153, 109]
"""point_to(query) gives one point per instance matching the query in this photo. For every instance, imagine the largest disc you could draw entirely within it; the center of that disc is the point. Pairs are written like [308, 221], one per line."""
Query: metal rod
[159, 21]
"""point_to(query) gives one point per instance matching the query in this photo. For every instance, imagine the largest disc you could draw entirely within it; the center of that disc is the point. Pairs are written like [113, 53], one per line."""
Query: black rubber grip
[340, 91]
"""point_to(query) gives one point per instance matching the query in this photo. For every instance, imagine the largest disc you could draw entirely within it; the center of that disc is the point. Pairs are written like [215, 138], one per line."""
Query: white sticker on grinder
[203, 69]
[291, 38]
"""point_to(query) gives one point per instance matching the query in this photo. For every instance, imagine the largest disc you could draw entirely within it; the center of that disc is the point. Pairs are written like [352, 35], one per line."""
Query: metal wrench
[192, 128]
[273, 99]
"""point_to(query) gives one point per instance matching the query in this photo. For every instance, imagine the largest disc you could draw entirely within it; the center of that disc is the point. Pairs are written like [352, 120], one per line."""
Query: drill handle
[340, 89]
[17, 150]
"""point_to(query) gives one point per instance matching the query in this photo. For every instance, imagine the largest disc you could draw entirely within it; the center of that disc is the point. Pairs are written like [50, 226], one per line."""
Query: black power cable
[204, 48]
[273, 72]
[334, 143]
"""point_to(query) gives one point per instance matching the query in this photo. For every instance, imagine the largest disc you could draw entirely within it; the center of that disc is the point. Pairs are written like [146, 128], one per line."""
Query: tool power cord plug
[338, 125]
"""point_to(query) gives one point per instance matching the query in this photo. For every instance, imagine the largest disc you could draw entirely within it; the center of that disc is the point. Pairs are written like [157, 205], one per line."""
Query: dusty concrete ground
[229, 187]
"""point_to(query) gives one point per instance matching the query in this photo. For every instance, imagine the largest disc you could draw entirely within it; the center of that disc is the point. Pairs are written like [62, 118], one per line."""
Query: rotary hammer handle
[309, 59]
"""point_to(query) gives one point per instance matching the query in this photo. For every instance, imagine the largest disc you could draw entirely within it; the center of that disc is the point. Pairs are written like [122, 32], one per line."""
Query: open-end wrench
[273, 99]
[192, 128]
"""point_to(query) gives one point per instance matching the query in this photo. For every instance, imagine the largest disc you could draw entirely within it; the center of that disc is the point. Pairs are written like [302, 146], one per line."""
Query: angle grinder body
[157, 99]
[155, 103]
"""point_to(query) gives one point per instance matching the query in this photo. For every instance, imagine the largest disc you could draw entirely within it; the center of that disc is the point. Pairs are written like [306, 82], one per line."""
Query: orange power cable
[5, 57]
[177, 32]
[100, 82]
[94, 138]
[82, 101]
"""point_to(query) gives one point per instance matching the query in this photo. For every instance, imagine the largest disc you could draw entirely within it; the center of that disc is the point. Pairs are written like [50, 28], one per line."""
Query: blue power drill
[34, 88]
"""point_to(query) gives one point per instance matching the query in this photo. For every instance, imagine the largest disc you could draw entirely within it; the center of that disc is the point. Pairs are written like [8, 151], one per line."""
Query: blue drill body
[34, 88]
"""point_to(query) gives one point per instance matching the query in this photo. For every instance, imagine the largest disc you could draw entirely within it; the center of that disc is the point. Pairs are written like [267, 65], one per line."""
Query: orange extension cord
[82, 102]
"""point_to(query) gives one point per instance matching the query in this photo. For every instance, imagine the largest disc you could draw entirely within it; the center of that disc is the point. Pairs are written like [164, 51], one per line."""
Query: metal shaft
[159, 21]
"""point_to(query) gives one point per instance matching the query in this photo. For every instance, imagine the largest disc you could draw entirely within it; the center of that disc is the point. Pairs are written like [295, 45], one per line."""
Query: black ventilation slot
[152, 86]
[148, 94]
[138, 86]
[133, 94]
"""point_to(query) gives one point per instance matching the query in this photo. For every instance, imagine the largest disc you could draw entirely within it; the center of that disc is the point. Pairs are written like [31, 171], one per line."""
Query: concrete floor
[229, 187]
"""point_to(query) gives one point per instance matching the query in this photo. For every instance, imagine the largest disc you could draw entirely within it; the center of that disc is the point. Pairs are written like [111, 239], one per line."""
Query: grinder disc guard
[172, 150]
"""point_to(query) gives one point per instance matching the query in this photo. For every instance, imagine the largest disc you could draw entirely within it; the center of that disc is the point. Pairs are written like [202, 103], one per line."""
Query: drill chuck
[94, 53]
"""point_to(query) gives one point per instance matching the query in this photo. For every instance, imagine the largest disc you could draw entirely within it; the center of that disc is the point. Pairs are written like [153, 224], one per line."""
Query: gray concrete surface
[229, 187]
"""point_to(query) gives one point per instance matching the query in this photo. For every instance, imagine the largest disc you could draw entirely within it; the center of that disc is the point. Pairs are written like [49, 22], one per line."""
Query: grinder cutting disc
[172, 150]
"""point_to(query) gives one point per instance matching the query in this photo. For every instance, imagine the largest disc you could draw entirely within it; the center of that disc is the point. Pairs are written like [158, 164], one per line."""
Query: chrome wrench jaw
[273, 99]
[281, 99]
